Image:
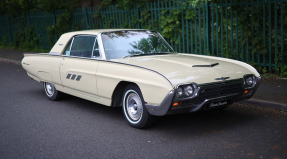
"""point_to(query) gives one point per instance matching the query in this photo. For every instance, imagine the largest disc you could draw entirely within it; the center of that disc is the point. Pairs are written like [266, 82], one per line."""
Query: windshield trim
[164, 40]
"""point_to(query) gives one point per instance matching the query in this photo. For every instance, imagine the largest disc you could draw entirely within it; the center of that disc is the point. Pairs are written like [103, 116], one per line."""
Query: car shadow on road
[206, 121]
[235, 115]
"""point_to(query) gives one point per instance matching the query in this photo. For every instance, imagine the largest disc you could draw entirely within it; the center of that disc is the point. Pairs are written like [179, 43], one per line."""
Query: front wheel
[134, 109]
[51, 92]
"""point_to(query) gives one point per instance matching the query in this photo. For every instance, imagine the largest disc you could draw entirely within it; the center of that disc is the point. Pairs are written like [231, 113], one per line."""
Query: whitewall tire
[134, 108]
[51, 92]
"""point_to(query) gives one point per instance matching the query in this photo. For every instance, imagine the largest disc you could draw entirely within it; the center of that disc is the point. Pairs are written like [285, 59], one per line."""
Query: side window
[96, 52]
[67, 51]
[83, 46]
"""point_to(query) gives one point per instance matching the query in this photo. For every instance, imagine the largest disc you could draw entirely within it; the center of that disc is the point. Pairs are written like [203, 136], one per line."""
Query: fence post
[29, 23]
[208, 17]
[138, 15]
[86, 17]
[28, 16]
[55, 22]
[9, 29]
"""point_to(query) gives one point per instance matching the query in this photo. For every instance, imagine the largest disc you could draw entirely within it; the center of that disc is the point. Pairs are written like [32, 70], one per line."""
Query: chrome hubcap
[49, 88]
[134, 106]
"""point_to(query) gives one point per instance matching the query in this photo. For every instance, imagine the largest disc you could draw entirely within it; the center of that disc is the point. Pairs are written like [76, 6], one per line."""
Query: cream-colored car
[139, 71]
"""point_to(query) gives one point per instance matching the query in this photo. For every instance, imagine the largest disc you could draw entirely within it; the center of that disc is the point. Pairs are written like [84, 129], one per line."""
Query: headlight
[249, 81]
[179, 92]
[188, 90]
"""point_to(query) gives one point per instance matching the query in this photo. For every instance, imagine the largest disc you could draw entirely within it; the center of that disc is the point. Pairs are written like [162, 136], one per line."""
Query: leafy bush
[3, 43]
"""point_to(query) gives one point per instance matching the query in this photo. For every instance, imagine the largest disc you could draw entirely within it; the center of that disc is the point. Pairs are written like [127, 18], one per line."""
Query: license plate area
[217, 103]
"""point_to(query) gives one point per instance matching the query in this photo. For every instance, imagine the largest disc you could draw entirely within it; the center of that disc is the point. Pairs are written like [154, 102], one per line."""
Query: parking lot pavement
[31, 126]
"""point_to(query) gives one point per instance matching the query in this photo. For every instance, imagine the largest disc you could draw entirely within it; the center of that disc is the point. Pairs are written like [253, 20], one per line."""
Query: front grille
[231, 89]
[222, 88]
[218, 91]
[213, 90]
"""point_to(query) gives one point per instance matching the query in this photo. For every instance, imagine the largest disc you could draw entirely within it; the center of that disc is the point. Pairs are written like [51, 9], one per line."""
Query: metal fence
[215, 29]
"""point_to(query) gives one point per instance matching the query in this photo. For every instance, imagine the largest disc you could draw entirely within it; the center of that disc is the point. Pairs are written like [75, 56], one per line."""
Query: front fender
[154, 86]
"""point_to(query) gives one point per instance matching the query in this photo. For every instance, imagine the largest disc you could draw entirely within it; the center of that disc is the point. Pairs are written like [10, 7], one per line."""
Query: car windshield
[122, 44]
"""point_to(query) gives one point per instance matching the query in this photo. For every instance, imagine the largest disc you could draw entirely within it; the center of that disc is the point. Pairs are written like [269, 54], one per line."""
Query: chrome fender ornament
[222, 78]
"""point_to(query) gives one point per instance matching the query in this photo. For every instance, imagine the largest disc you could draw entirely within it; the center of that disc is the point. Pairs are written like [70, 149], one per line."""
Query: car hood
[186, 68]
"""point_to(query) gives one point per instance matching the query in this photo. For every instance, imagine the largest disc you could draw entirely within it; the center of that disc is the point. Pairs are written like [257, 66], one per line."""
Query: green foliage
[26, 39]
[63, 23]
[249, 21]
[173, 22]
[62, 26]
[31, 40]
[3, 43]
[51, 5]
[280, 68]
[271, 76]
[228, 53]
[15, 7]
[189, 14]
[145, 15]
[195, 3]
[264, 70]
[125, 4]
[259, 68]
[97, 15]
[170, 21]
[251, 37]
[51, 34]
[106, 3]
[21, 7]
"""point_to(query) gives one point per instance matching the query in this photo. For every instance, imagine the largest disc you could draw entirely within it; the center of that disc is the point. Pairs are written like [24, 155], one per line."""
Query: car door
[78, 68]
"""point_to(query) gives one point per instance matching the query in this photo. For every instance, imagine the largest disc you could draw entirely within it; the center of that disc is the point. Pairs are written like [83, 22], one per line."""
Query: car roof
[97, 31]
[66, 37]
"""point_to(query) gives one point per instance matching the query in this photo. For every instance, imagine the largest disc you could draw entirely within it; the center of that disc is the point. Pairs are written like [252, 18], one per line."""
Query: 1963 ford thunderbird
[138, 71]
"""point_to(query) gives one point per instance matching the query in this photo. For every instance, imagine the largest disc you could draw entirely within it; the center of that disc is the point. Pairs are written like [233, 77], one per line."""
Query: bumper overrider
[209, 96]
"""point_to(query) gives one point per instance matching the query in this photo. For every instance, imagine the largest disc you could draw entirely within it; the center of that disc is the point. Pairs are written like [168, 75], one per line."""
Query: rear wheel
[134, 109]
[51, 92]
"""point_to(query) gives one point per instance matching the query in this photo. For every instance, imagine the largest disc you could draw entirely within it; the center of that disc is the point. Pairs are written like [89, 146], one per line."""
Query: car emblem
[222, 78]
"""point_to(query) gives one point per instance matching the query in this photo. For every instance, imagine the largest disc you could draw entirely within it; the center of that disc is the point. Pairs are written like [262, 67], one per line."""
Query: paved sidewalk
[272, 93]
[16, 55]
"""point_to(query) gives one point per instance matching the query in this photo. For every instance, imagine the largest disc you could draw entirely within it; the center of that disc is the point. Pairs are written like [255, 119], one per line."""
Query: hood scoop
[211, 65]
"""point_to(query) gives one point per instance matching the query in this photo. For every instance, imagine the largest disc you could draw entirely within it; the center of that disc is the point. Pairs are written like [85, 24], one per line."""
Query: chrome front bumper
[196, 104]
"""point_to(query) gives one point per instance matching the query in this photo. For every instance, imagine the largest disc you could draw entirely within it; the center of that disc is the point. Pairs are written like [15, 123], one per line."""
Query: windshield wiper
[148, 53]
[158, 53]
[133, 55]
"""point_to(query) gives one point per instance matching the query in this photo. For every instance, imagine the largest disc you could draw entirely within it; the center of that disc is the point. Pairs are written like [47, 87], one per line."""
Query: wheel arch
[118, 93]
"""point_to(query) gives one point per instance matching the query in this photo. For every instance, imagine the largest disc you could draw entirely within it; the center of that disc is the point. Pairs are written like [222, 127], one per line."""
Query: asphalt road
[31, 126]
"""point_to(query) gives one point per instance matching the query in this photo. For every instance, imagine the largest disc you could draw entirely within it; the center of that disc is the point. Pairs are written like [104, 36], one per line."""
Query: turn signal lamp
[176, 104]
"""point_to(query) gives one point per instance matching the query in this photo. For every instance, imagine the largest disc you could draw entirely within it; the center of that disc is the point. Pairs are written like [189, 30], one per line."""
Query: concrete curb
[10, 61]
[263, 103]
